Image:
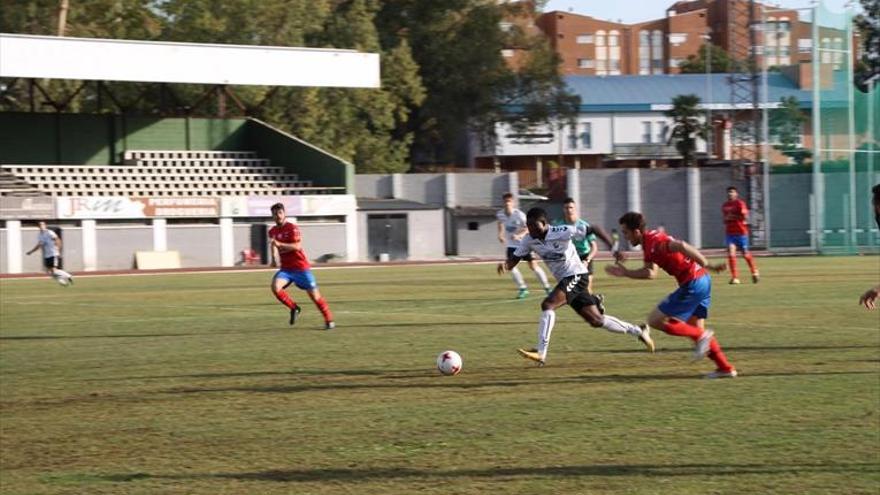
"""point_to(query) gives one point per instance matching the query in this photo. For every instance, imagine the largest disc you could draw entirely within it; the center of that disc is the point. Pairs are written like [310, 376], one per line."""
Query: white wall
[627, 128]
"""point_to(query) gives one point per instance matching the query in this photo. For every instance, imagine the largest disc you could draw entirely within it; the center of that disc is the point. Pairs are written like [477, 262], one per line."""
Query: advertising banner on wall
[121, 207]
[259, 206]
[35, 208]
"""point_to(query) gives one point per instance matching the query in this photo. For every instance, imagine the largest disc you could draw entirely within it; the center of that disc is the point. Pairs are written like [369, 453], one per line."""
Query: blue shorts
[302, 279]
[740, 241]
[690, 299]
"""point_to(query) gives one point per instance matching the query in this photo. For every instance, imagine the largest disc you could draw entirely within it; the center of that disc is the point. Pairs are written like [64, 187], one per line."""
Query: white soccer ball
[449, 363]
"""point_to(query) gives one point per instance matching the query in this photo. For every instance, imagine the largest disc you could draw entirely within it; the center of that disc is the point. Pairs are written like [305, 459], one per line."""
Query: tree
[719, 61]
[868, 24]
[786, 126]
[457, 45]
[686, 127]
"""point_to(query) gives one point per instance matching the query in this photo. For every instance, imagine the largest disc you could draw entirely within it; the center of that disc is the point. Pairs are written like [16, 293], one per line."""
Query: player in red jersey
[295, 269]
[736, 213]
[683, 312]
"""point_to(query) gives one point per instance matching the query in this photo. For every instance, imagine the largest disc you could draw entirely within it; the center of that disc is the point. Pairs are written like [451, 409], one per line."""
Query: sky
[631, 11]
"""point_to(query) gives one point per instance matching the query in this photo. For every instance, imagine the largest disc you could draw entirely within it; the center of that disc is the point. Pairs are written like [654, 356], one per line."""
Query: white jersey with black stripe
[557, 250]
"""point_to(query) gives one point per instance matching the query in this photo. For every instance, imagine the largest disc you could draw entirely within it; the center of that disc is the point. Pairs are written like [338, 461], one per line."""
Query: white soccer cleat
[721, 374]
[645, 337]
[702, 347]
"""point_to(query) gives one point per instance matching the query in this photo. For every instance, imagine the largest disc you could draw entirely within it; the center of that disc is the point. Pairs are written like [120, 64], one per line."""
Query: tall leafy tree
[687, 126]
[786, 125]
[868, 24]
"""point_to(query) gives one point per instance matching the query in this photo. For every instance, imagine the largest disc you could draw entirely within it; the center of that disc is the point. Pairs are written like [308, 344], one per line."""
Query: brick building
[590, 46]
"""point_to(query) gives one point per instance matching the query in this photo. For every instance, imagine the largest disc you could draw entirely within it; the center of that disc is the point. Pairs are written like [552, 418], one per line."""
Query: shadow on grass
[466, 385]
[600, 470]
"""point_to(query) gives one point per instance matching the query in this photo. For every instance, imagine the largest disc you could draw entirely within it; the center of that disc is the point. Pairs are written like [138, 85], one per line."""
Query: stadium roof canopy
[52, 57]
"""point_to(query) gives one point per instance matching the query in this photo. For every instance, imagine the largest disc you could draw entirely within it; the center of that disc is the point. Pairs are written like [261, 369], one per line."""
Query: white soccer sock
[518, 278]
[545, 328]
[542, 277]
[62, 273]
[616, 325]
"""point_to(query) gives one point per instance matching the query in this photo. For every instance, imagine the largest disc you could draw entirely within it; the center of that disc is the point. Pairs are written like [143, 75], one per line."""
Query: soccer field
[195, 384]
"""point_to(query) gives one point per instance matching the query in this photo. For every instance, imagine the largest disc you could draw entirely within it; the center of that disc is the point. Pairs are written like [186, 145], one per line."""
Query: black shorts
[52, 262]
[511, 250]
[576, 294]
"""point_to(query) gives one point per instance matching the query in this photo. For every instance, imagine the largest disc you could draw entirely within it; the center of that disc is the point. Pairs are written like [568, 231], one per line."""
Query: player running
[736, 214]
[683, 312]
[287, 247]
[554, 245]
[586, 248]
[512, 228]
[51, 246]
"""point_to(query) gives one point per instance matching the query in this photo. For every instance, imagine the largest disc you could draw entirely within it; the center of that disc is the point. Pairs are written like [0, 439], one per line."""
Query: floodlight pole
[818, 194]
[765, 128]
[853, 219]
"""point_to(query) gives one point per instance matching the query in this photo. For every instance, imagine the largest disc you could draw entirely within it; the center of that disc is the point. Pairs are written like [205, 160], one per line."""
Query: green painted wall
[299, 157]
[86, 139]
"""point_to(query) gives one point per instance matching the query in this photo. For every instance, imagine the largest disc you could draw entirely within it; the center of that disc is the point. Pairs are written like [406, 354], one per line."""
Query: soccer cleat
[645, 337]
[702, 347]
[330, 325]
[734, 281]
[756, 277]
[534, 356]
[70, 280]
[294, 313]
[522, 294]
[600, 303]
[721, 374]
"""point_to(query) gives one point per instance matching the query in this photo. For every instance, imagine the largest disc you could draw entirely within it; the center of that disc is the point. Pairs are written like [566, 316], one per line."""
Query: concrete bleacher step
[185, 154]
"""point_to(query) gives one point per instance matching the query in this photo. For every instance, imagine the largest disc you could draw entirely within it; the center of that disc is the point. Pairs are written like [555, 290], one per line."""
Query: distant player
[587, 247]
[295, 269]
[683, 312]
[736, 214]
[50, 243]
[512, 228]
[554, 246]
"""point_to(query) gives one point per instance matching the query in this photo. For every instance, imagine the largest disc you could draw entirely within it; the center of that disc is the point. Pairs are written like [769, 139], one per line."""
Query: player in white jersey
[554, 245]
[511, 229]
[51, 245]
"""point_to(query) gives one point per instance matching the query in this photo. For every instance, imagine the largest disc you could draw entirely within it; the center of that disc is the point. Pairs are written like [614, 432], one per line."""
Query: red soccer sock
[731, 263]
[751, 262]
[324, 309]
[682, 329]
[717, 355]
[285, 299]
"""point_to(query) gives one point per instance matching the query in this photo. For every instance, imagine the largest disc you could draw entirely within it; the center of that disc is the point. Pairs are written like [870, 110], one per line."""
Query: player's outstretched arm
[647, 272]
[693, 253]
[602, 234]
[508, 264]
[869, 298]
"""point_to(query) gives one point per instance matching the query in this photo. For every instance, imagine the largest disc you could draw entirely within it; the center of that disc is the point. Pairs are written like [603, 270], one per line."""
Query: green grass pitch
[195, 384]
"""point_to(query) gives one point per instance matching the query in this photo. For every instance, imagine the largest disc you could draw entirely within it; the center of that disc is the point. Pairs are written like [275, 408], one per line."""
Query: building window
[507, 53]
[657, 51]
[614, 38]
[678, 38]
[647, 135]
[805, 45]
[585, 63]
[584, 39]
[644, 53]
[600, 38]
[675, 62]
[826, 56]
[587, 135]
[662, 129]
[614, 65]
[473, 226]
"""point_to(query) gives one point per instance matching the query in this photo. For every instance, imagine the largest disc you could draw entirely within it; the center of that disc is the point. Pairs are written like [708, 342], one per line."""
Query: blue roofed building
[622, 123]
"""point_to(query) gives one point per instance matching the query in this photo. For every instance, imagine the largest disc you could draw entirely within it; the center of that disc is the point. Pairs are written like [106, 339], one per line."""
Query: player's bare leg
[591, 315]
[278, 287]
[705, 342]
[545, 327]
[321, 303]
[715, 353]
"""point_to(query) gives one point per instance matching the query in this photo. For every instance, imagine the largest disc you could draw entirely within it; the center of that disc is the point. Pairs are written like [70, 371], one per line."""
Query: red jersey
[656, 247]
[290, 260]
[737, 210]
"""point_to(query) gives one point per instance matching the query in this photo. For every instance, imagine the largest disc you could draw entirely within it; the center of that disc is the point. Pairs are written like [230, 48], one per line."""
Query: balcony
[629, 151]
